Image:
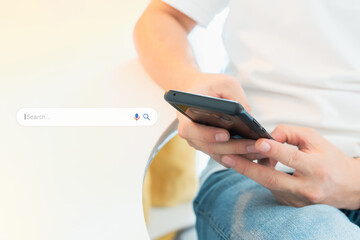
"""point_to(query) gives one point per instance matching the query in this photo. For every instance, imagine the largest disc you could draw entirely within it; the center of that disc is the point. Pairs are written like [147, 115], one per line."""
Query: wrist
[205, 83]
[193, 80]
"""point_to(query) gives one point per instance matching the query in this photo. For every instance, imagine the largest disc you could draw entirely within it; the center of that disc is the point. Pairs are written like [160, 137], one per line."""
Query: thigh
[231, 206]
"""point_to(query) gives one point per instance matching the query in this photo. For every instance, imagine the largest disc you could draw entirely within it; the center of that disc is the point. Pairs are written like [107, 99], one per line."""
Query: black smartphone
[217, 112]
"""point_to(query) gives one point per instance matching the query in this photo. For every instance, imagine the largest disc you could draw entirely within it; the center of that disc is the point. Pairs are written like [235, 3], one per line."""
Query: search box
[86, 116]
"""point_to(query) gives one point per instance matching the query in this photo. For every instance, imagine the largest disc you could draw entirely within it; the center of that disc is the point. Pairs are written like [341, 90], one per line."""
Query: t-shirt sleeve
[201, 11]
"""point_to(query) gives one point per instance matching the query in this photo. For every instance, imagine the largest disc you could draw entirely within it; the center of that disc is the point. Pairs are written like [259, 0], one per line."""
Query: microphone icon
[137, 116]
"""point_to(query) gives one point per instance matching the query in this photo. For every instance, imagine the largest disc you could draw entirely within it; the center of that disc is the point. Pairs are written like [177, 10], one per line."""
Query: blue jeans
[232, 206]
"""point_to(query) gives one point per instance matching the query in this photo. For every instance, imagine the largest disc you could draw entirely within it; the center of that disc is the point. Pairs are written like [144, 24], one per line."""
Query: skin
[160, 37]
[323, 173]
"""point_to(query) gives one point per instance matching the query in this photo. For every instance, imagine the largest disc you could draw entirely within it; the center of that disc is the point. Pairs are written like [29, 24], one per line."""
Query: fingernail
[251, 148]
[264, 147]
[228, 161]
[221, 137]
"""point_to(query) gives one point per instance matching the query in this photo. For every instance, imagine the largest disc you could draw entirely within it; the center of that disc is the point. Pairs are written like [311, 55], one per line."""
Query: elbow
[137, 31]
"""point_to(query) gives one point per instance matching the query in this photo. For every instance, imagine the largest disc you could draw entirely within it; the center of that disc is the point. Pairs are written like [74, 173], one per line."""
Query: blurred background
[80, 182]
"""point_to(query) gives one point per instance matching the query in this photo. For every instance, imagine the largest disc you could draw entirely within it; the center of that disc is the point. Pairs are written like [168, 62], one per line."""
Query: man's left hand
[323, 173]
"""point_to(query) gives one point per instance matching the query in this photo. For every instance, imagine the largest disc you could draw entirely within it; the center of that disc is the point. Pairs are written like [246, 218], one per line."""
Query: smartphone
[217, 112]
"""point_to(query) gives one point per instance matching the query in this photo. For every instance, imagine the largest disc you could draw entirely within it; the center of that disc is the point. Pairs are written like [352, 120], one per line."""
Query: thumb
[303, 138]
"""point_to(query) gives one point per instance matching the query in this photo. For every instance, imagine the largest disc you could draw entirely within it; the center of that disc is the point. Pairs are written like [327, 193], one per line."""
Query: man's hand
[161, 39]
[212, 140]
[323, 174]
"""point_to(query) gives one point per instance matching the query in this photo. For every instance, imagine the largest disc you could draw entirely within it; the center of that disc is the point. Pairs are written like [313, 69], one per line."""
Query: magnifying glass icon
[146, 116]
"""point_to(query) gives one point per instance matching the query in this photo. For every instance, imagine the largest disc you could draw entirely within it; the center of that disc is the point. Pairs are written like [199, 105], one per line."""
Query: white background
[72, 182]
[75, 182]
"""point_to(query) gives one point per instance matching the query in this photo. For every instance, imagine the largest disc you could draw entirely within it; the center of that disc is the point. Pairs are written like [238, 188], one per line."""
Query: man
[298, 62]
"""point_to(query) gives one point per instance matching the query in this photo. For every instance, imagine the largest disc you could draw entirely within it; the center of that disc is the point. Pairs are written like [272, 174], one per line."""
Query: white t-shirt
[298, 61]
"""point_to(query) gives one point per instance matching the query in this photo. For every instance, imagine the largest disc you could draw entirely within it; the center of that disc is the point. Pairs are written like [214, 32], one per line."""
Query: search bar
[86, 116]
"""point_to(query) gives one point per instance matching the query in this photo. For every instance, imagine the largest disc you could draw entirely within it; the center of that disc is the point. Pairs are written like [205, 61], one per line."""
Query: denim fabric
[232, 206]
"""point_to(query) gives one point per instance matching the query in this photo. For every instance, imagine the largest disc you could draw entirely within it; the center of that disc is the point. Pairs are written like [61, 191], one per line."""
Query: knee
[315, 214]
[213, 206]
[218, 193]
[314, 222]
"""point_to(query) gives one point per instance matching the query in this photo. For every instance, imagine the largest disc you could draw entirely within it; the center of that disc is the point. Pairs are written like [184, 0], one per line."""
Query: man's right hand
[212, 140]
[162, 32]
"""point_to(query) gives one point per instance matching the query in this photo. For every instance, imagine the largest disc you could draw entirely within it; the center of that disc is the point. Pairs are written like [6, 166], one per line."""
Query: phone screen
[234, 124]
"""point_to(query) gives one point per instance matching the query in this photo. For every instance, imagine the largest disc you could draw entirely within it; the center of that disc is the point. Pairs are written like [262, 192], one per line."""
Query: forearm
[160, 37]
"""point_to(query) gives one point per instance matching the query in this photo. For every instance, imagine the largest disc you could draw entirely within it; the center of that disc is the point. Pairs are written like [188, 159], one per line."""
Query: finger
[233, 146]
[269, 178]
[303, 138]
[218, 149]
[253, 156]
[286, 154]
[193, 131]
[217, 158]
